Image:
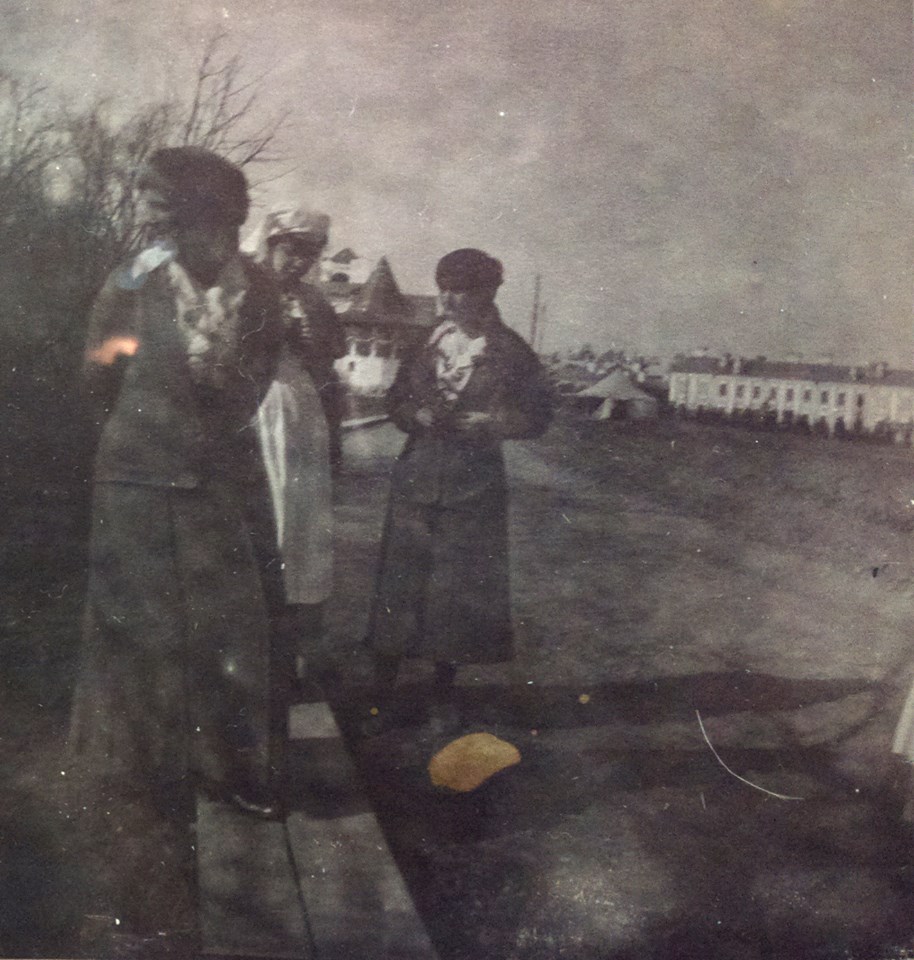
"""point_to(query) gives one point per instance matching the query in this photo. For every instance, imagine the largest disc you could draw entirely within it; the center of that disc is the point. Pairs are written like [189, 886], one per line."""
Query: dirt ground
[677, 588]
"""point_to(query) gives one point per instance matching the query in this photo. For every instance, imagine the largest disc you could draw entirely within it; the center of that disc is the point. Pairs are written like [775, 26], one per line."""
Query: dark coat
[176, 667]
[442, 586]
[157, 426]
[442, 466]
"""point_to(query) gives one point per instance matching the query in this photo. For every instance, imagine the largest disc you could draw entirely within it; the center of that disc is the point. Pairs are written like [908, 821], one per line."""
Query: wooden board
[312, 721]
[250, 905]
[357, 902]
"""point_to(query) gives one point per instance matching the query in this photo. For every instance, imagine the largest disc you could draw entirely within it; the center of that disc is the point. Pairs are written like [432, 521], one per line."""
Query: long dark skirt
[442, 590]
[176, 679]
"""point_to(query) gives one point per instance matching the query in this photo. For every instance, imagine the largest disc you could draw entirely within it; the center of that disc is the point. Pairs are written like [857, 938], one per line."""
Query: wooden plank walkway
[357, 902]
[322, 885]
[250, 904]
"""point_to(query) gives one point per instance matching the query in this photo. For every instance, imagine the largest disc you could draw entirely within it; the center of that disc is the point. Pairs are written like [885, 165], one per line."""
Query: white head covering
[287, 221]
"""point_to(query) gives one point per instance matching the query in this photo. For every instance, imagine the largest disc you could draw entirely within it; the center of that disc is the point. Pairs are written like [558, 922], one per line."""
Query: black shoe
[250, 800]
[261, 807]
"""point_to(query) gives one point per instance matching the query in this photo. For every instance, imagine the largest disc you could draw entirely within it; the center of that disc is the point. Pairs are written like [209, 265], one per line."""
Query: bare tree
[102, 157]
[68, 189]
[223, 114]
[29, 140]
[67, 215]
[223, 111]
[105, 160]
[29, 144]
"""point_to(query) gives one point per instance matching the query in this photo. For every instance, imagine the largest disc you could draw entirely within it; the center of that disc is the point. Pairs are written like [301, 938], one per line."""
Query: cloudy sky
[724, 173]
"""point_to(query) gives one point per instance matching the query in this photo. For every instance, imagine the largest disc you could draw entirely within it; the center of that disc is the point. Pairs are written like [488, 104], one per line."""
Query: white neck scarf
[209, 319]
[456, 356]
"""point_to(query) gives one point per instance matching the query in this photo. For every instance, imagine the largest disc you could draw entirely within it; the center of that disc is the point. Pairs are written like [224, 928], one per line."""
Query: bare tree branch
[223, 105]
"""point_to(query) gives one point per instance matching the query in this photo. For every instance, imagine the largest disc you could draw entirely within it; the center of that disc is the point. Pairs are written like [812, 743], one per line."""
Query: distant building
[345, 266]
[862, 399]
[381, 323]
[650, 370]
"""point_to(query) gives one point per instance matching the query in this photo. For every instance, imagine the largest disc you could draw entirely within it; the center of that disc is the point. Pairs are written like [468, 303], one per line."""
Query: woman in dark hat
[442, 586]
[174, 685]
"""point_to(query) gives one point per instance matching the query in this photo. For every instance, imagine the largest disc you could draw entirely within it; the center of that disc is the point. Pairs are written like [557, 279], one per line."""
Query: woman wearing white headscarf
[298, 420]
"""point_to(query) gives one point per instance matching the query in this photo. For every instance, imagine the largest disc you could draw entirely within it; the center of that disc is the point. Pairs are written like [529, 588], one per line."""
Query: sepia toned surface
[713, 624]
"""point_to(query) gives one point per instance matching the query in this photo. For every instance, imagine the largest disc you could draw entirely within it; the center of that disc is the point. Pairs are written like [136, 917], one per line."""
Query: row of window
[789, 395]
[900, 403]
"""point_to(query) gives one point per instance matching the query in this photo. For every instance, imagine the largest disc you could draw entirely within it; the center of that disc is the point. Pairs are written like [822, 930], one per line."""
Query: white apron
[295, 443]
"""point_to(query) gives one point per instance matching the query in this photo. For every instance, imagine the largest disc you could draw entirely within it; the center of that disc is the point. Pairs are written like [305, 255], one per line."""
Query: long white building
[863, 399]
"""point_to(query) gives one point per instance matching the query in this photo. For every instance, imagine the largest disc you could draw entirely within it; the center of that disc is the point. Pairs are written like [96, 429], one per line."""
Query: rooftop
[763, 368]
[379, 300]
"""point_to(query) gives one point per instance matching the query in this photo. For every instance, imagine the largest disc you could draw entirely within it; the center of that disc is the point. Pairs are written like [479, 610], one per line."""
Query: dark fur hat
[468, 269]
[198, 184]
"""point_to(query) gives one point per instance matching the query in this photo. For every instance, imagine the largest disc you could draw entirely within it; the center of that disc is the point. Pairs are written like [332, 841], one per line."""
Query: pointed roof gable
[380, 295]
[379, 301]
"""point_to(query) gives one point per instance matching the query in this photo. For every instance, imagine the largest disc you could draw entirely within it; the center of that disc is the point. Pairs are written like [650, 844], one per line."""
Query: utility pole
[538, 346]
[534, 319]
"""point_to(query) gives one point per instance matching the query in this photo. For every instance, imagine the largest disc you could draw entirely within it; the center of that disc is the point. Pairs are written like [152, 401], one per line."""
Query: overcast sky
[724, 173]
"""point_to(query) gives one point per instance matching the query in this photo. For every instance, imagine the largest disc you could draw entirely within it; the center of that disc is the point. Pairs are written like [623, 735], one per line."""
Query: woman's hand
[424, 417]
[473, 420]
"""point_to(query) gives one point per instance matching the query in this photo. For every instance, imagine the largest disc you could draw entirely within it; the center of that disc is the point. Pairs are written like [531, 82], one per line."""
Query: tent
[616, 396]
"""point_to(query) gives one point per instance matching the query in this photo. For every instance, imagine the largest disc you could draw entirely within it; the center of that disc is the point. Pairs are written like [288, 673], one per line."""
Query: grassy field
[757, 540]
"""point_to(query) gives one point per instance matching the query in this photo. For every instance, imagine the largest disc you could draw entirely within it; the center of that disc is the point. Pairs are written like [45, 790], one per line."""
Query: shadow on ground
[604, 844]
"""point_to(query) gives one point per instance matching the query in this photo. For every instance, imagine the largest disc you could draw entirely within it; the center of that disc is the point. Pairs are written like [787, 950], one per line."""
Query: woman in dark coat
[442, 587]
[175, 683]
